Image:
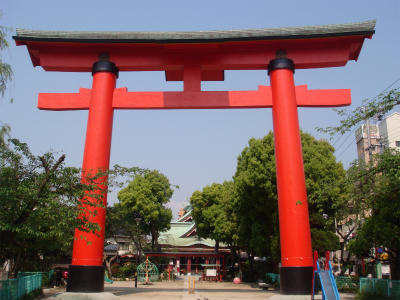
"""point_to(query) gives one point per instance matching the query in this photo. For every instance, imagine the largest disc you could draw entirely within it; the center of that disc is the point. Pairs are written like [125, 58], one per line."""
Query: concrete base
[85, 296]
[290, 297]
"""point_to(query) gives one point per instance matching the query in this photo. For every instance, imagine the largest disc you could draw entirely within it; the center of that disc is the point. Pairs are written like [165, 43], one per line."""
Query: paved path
[179, 290]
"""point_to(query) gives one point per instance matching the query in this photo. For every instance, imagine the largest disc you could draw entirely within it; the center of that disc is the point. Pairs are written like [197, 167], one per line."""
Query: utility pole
[369, 141]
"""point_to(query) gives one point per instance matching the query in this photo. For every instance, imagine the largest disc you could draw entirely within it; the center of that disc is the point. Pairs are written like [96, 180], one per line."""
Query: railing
[273, 278]
[13, 289]
[383, 288]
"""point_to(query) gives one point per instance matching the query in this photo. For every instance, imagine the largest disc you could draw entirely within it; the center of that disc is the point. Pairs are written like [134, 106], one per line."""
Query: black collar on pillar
[280, 63]
[105, 66]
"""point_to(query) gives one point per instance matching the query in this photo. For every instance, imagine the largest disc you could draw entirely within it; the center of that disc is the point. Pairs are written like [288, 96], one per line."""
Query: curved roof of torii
[360, 28]
[212, 51]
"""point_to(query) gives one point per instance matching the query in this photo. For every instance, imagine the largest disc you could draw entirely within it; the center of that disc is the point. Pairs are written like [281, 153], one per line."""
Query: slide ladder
[326, 278]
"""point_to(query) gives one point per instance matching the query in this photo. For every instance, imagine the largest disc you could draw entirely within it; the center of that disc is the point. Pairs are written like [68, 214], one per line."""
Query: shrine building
[189, 253]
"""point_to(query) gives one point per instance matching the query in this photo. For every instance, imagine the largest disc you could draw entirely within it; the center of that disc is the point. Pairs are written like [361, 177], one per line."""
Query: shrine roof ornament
[332, 30]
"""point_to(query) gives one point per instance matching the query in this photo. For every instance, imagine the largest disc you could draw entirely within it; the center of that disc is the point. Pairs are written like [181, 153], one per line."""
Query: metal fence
[273, 278]
[384, 288]
[46, 276]
[13, 289]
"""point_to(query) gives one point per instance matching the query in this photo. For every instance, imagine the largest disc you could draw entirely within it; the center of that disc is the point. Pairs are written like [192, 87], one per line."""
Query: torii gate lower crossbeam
[86, 271]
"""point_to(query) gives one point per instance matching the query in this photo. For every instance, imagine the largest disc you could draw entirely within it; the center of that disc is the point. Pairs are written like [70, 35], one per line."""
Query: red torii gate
[193, 57]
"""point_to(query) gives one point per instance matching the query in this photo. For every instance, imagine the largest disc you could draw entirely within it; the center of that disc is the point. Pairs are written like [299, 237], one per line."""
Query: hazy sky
[193, 148]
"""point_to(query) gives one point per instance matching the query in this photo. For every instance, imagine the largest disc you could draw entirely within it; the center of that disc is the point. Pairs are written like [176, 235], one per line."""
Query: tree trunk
[154, 240]
[395, 266]
[341, 262]
[216, 246]
[15, 265]
[108, 263]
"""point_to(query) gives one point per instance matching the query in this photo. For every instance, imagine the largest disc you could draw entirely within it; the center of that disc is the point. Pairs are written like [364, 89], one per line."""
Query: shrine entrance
[193, 57]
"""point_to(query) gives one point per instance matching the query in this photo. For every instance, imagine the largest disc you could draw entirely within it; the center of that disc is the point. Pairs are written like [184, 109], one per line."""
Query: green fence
[47, 277]
[384, 288]
[13, 289]
[48, 274]
[273, 278]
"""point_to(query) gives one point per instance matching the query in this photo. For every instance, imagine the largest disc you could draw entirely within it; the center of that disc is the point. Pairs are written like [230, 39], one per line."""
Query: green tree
[6, 75]
[255, 185]
[326, 186]
[39, 199]
[373, 179]
[5, 69]
[352, 208]
[214, 215]
[146, 197]
[256, 201]
[375, 107]
[382, 227]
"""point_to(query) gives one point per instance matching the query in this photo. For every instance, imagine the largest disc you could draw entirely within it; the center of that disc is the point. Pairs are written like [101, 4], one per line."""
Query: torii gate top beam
[211, 51]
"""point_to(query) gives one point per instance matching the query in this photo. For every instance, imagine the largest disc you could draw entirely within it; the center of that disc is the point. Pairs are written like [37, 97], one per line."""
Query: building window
[397, 143]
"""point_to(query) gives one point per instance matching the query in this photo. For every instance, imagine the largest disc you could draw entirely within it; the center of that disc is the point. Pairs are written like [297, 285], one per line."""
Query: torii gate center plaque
[193, 57]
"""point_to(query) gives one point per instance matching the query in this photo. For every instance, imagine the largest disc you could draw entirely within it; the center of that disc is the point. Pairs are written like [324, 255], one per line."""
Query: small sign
[211, 272]
[385, 269]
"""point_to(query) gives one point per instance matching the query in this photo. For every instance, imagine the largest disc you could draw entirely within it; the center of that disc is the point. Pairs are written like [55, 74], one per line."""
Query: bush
[164, 275]
[45, 280]
[368, 295]
[32, 295]
[256, 270]
[128, 270]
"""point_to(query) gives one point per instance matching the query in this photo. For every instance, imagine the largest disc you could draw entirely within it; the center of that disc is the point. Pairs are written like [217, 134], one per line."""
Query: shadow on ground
[120, 291]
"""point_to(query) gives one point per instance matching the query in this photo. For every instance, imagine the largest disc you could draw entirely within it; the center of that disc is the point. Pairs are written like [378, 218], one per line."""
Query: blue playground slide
[328, 283]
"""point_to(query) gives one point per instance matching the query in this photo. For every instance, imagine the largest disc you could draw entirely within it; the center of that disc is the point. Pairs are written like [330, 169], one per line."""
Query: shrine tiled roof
[359, 28]
[176, 236]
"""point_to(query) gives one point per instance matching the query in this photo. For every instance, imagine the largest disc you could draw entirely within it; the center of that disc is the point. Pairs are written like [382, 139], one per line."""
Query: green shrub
[370, 296]
[45, 280]
[164, 275]
[32, 295]
[128, 270]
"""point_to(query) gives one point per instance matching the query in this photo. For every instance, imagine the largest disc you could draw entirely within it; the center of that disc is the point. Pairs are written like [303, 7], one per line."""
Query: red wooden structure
[193, 57]
[207, 256]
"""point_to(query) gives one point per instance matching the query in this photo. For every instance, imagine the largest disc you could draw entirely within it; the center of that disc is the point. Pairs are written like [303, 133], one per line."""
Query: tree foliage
[255, 185]
[146, 197]
[213, 213]
[39, 199]
[373, 189]
[375, 107]
[352, 209]
[256, 201]
[6, 73]
[381, 227]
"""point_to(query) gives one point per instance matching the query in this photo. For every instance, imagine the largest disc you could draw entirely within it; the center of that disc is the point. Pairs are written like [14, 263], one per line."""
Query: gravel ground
[178, 289]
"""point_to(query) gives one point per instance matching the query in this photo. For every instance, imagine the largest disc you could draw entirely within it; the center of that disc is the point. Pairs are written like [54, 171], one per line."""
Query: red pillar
[87, 271]
[223, 267]
[218, 263]
[295, 237]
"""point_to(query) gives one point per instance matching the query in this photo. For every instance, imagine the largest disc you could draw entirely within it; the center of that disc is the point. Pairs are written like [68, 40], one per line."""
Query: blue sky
[193, 148]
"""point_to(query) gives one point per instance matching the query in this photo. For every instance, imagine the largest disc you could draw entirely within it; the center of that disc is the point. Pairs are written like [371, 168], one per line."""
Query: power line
[354, 139]
[390, 85]
[348, 146]
[349, 134]
[337, 140]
